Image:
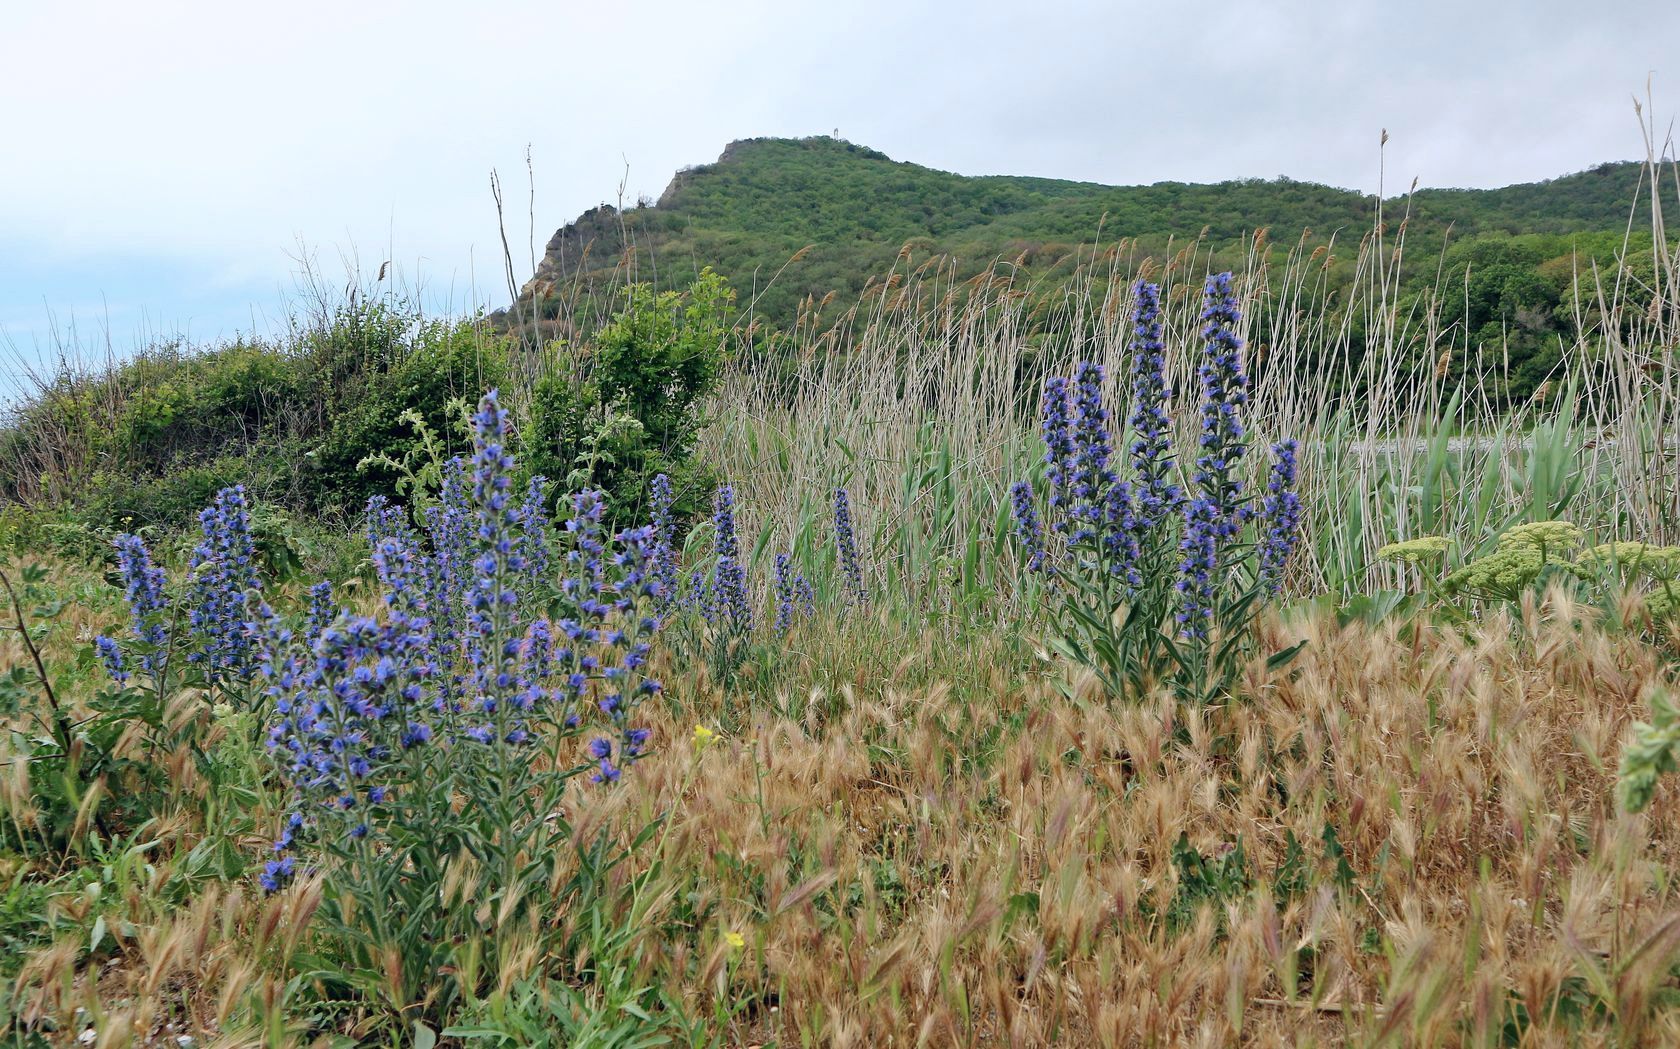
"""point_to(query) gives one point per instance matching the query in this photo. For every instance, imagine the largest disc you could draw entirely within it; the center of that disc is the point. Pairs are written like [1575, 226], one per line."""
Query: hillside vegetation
[796, 223]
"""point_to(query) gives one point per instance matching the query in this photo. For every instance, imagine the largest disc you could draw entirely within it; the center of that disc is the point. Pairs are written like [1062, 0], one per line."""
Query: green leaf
[1280, 659]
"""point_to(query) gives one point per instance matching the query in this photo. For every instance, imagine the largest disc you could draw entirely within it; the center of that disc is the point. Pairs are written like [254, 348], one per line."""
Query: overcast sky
[166, 164]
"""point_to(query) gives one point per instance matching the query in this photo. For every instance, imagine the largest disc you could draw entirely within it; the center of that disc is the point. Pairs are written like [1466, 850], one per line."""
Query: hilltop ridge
[846, 212]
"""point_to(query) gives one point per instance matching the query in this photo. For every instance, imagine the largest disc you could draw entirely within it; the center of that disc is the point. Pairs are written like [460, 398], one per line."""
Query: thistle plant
[1650, 753]
[1148, 579]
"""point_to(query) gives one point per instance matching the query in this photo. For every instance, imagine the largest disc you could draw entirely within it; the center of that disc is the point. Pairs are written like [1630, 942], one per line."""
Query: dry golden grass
[1469, 780]
[926, 841]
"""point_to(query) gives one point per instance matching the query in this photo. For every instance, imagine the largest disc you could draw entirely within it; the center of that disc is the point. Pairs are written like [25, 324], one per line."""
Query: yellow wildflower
[1551, 536]
[1657, 562]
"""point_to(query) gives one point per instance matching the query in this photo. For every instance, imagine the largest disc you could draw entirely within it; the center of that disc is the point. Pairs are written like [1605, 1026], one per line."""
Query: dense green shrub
[618, 411]
[373, 364]
[124, 501]
[186, 407]
[149, 441]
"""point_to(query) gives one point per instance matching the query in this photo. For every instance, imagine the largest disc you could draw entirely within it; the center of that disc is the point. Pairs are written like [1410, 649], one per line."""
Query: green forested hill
[846, 212]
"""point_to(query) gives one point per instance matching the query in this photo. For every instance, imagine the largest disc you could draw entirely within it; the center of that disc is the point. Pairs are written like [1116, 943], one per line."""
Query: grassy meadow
[924, 797]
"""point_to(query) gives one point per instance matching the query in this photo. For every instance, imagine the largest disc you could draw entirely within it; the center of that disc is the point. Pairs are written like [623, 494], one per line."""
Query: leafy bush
[151, 440]
[113, 500]
[378, 366]
[627, 407]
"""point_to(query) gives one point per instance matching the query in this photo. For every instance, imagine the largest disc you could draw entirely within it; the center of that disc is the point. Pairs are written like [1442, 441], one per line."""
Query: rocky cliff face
[597, 239]
[597, 233]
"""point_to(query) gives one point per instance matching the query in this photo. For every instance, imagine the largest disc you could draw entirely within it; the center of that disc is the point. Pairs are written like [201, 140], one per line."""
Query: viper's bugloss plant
[1224, 440]
[721, 598]
[845, 541]
[1281, 515]
[111, 655]
[188, 652]
[1057, 430]
[203, 634]
[716, 618]
[224, 580]
[1151, 443]
[1029, 532]
[664, 540]
[794, 595]
[1149, 579]
[426, 765]
[729, 607]
[144, 586]
[533, 533]
[322, 611]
